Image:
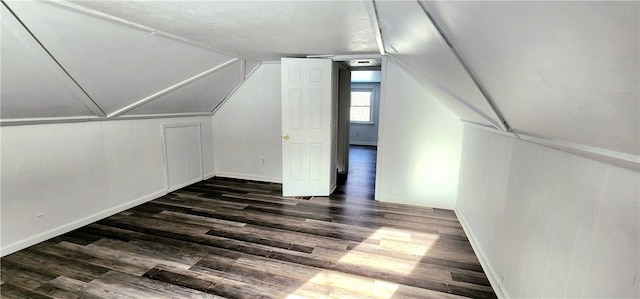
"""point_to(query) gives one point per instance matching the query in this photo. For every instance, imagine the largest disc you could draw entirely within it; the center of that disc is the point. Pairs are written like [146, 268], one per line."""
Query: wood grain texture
[229, 238]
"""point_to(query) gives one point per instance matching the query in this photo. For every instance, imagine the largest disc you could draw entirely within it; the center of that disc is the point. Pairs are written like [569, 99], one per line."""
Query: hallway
[359, 184]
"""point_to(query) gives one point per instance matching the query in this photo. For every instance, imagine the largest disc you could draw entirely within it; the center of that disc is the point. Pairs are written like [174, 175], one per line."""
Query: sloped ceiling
[62, 61]
[31, 82]
[564, 71]
[411, 39]
[557, 71]
[207, 93]
[263, 30]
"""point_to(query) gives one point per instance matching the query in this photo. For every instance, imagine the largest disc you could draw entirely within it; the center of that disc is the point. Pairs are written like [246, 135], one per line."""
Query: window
[361, 105]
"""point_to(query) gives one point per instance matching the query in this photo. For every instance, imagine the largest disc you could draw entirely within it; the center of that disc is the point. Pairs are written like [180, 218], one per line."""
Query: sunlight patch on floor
[370, 256]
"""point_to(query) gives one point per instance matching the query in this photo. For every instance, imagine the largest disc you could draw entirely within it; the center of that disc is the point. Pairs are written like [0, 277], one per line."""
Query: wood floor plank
[232, 238]
[143, 255]
[10, 291]
[103, 258]
[22, 277]
[69, 285]
[55, 292]
[53, 265]
[114, 284]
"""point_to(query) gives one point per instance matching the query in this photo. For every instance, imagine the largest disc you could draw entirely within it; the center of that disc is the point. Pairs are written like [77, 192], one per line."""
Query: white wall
[361, 133]
[419, 144]
[549, 224]
[247, 128]
[58, 177]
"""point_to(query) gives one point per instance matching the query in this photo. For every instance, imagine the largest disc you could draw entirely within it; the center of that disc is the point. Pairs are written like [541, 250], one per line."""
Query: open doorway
[359, 107]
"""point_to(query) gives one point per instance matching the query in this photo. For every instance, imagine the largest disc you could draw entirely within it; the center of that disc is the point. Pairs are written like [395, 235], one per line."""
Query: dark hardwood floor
[227, 238]
[359, 184]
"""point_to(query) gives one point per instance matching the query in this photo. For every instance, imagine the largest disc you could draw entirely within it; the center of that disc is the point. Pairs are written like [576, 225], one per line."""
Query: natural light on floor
[389, 240]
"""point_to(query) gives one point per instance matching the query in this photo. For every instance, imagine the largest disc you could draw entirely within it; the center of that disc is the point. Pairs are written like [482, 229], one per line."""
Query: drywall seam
[78, 223]
[235, 89]
[172, 88]
[488, 269]
[250, 177]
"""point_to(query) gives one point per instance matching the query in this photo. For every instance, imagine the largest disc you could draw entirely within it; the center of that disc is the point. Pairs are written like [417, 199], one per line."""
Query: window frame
[371, 91]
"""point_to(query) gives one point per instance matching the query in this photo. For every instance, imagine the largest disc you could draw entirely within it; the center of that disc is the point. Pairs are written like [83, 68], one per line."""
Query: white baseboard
[421, 203]
[493, 277]
[209, 175]
[11, 248]
[250, 177]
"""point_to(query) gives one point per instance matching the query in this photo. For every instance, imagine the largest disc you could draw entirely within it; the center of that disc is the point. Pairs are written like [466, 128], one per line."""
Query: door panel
[306, 126]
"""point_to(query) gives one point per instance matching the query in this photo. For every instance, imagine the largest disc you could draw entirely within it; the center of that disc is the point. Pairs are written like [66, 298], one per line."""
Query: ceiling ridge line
[504, 125]
[171, 88]
[414, 73]
[153, 31]
[90, 104]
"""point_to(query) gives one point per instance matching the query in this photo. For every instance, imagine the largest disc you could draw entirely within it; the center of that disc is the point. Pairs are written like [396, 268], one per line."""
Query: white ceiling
[34, 80]
[262, 30]
[564, 71]
[417, 45]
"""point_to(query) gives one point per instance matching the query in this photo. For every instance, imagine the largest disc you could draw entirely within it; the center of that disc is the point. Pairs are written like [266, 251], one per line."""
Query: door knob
[285, 137]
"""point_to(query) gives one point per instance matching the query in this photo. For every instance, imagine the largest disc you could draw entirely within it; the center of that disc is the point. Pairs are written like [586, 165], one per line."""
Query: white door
[182, 155]
[306, 126]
